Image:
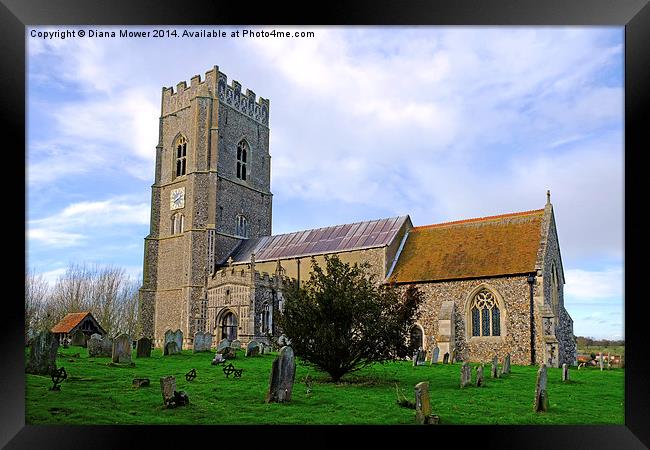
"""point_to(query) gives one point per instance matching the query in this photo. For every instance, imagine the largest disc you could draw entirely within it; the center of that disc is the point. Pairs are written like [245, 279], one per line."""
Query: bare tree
[36, 293]
[108, 293]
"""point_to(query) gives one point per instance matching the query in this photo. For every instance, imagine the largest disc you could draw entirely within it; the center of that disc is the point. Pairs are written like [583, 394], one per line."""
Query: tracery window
[486, 317]
[181, 156]
[242, 158]
[241, 226]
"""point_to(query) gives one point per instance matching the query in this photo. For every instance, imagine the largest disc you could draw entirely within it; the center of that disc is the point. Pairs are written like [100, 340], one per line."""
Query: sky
[440, 123]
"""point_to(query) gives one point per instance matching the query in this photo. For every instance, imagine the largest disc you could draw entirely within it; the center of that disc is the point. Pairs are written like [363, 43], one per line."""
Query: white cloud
[584, 286]
[77, 222]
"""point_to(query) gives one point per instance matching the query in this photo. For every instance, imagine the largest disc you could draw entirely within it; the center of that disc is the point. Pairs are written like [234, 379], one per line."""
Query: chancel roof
[472, 248]
[338, 238]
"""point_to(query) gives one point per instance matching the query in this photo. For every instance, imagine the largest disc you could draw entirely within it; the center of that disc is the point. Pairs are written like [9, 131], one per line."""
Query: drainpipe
[531, 282]
[298, 262]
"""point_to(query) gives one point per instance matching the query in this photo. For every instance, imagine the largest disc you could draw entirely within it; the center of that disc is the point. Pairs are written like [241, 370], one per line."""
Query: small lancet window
[242, 157]
[178, 223]
[181, 156]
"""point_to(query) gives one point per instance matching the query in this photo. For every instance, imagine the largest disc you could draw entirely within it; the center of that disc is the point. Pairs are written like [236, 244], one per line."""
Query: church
[492, 285]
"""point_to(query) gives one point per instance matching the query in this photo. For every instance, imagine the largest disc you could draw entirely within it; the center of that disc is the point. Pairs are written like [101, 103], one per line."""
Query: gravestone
[170, 349]
[421, 357]
[202, 342]
[415, 358]
[283, 373]
[224, 343]
[140, 382]
[541, 396]
[122, 349]
[506, 364]
[228, 352]
[178, 338]
[236, 344]
[283, 340]
[262, 348]
[42, 355]
[452, 356]
[78, 338]
[495, 367]
[445, 358]
[218, 359]
[435, 354]
[422, 403]
[253, 348]
[479, 376]
[98, 346]
[143, 348]
[465, 375]
[565, 372]
[168, 387]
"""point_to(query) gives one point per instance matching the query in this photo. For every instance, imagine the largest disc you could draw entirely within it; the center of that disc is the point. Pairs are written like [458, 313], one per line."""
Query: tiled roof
[70, 321]
[353, 236]
[473, 248]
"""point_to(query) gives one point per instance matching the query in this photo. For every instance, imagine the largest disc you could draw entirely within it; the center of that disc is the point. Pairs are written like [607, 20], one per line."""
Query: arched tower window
[243, 151]
[416, 337]
[485, 314]
[241, 226]
[178, 223]
[181, 155]
[265, 318]
[229, 326]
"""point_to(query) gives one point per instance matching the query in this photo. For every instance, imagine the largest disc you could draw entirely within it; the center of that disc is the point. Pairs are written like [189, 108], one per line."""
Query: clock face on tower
[177, 198]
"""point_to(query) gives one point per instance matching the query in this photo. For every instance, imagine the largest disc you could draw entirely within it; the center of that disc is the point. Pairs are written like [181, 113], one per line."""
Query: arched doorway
[229, 326]
[416, 337]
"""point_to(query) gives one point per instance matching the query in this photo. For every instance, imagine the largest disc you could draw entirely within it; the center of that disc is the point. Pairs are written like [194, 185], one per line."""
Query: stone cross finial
[548, 196]
[230, 260]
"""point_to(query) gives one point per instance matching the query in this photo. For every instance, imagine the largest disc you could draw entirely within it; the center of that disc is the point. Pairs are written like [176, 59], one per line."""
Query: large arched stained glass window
[486, 317]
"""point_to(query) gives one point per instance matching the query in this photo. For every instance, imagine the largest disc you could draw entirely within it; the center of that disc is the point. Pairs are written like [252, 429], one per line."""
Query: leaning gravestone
[565, 372]
[236, 344]
[435, 354]
[465, 375]
[479, 376]
[253, 349]
[422, 403]
[122, 349]
[42, 356]
[541, 397]
[283, 373]
[495, 367]
[223, 344]
[143, 348]
[78, 338]
[228, 352]
[506, 364]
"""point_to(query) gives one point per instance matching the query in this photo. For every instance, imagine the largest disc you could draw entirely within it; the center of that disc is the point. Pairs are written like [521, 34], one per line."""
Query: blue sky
[441, 123]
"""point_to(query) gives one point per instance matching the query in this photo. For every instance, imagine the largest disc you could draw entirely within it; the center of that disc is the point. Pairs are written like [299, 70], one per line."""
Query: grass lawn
[96, 393]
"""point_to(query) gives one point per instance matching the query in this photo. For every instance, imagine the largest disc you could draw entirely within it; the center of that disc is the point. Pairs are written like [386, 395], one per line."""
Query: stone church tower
[211, 189]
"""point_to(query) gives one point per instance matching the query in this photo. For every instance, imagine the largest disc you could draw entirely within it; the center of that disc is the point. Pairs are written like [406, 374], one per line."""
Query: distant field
[613, 349]
[96, 393]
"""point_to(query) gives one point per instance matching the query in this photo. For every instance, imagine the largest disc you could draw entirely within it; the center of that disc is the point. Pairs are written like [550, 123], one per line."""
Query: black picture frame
[634, 15]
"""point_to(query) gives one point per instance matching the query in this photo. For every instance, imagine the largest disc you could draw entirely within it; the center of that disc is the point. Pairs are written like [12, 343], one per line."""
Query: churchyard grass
[96, 393]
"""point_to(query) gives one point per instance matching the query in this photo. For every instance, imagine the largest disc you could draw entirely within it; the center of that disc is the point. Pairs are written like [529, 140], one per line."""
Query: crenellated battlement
[216, 85]
[241, 274]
